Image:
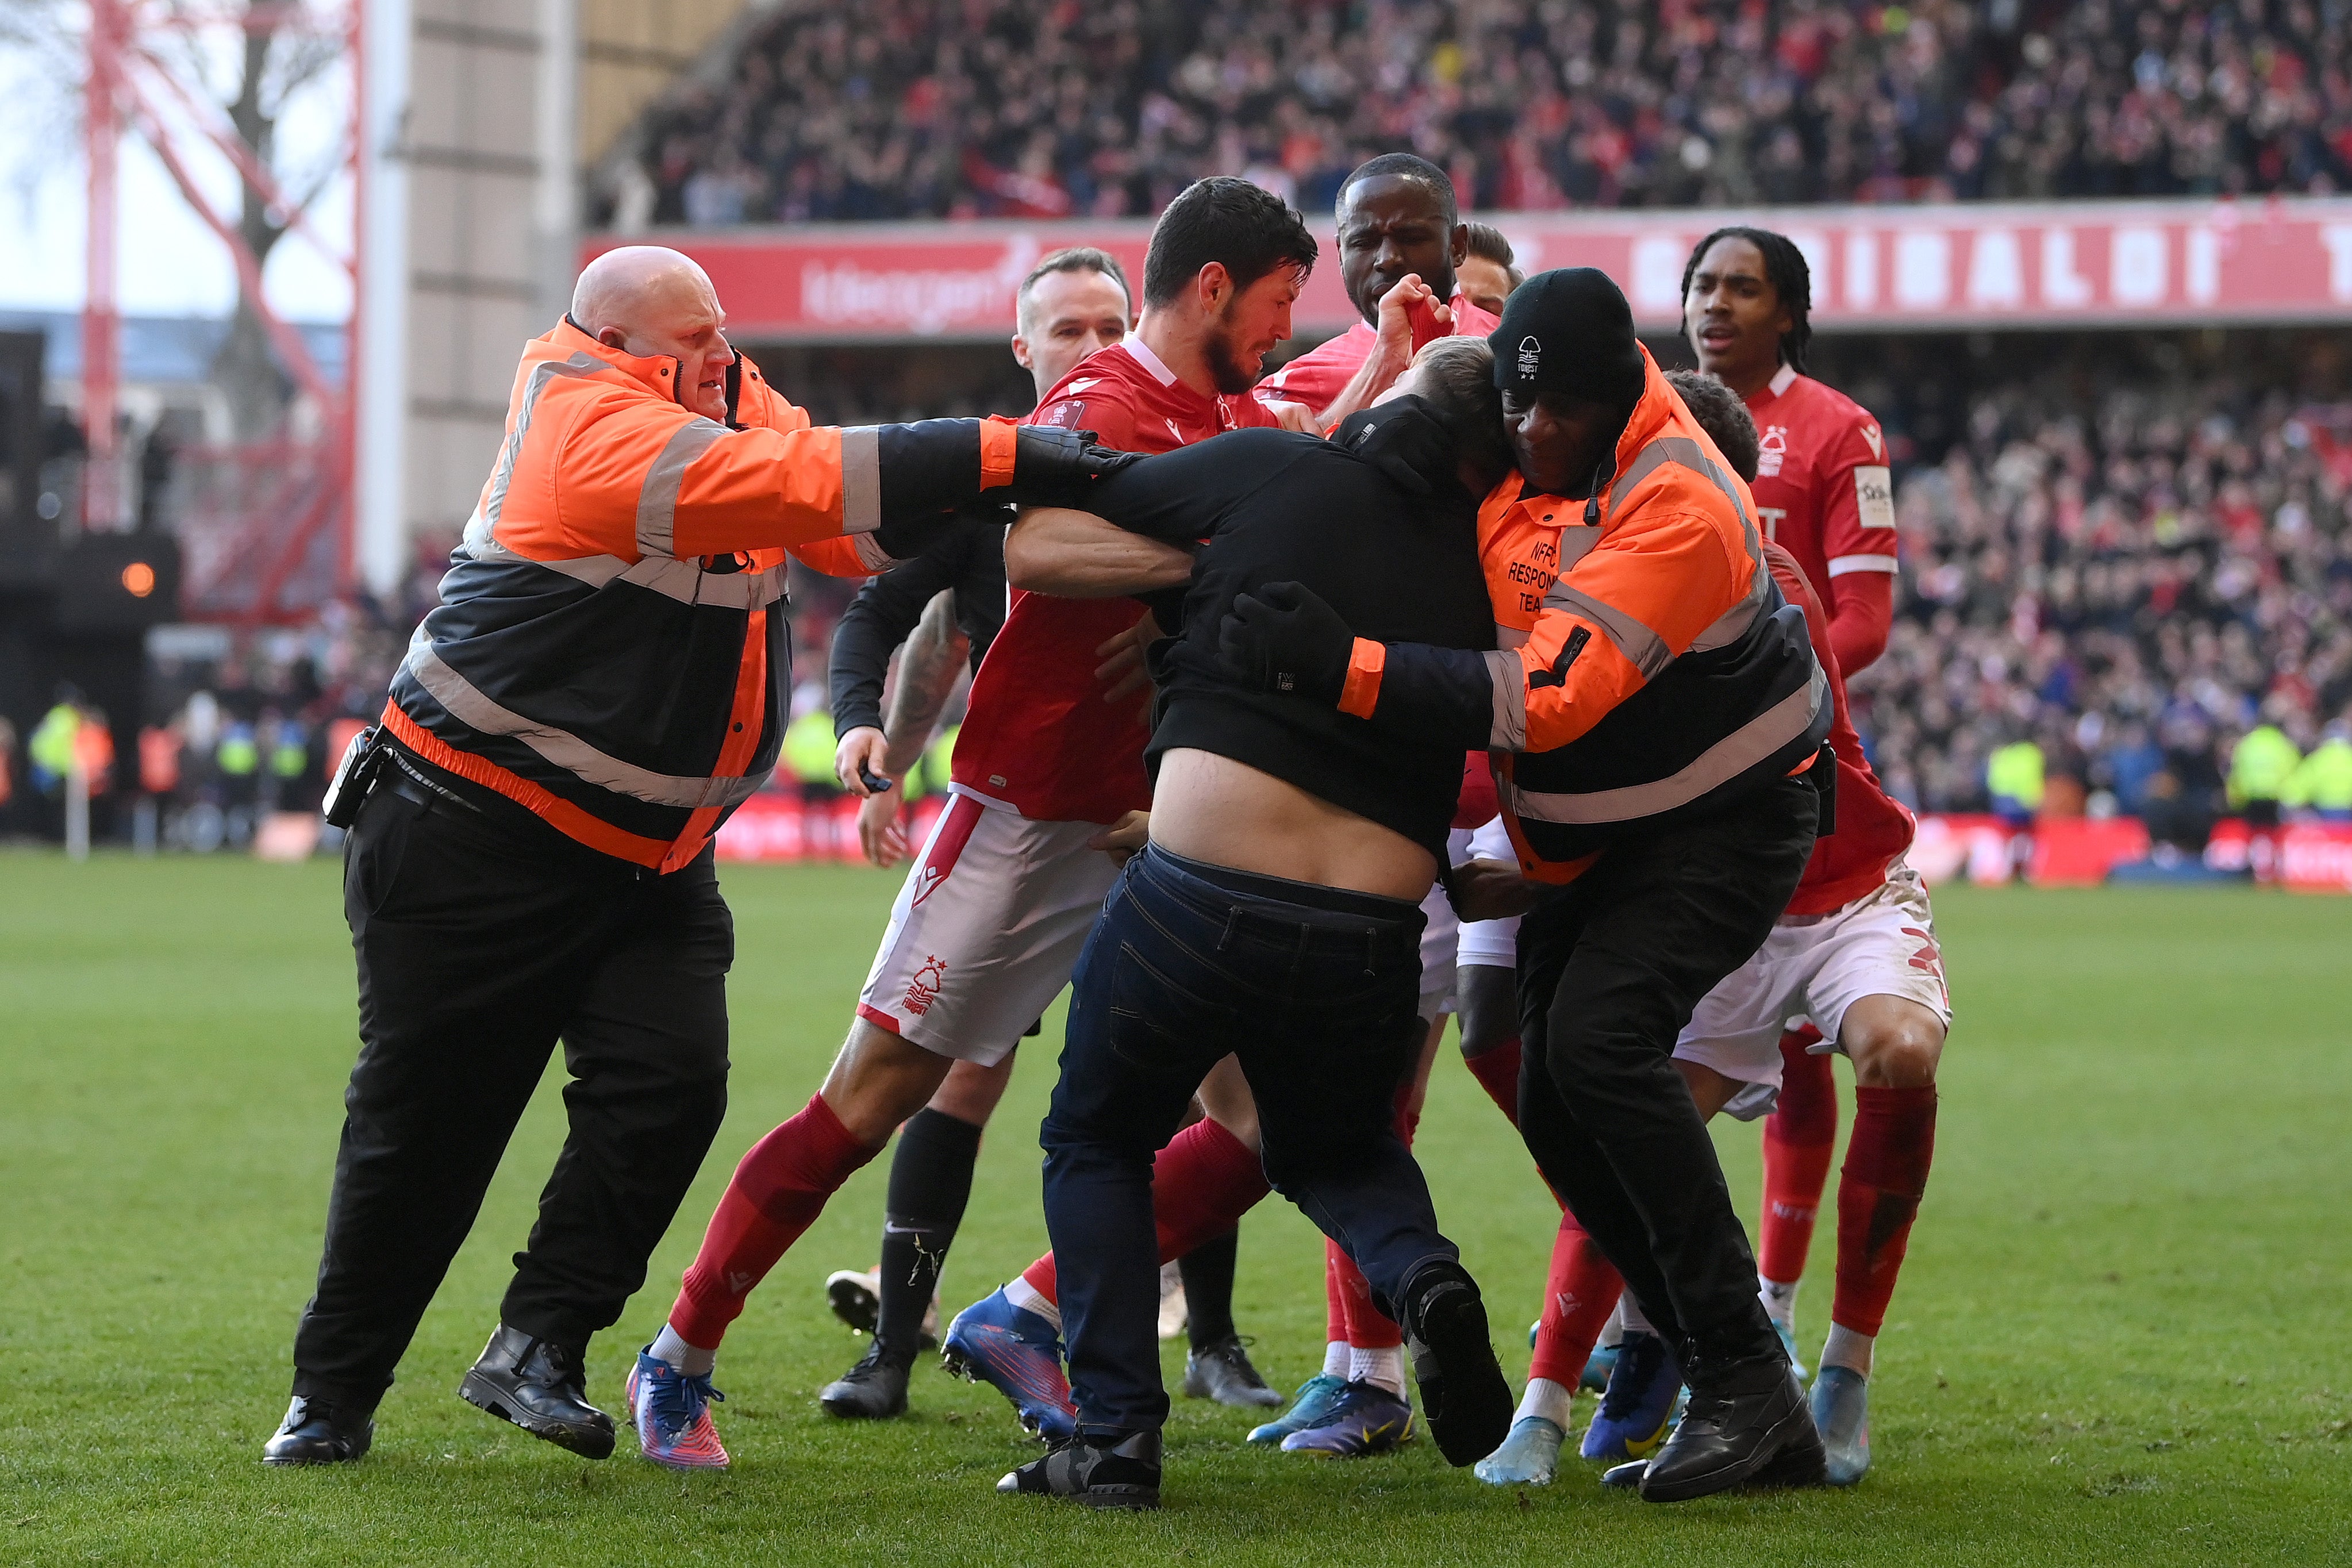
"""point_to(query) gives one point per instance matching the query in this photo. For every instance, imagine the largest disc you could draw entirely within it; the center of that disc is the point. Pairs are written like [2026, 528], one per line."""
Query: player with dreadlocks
[1823, 490]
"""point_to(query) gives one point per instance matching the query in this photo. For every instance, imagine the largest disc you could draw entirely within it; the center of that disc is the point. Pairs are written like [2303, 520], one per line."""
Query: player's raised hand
[881, 829]
[1411, 315]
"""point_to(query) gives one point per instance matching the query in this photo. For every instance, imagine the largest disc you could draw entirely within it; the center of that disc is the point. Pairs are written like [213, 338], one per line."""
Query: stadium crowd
[2132, 581]
[924, 108]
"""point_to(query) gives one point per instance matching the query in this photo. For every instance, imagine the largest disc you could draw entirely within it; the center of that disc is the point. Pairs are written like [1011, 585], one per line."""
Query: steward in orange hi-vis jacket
[529, 856]
[1659, 716]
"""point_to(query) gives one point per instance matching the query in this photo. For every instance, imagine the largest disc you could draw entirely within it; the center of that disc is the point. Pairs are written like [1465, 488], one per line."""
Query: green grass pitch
[2120, 1336]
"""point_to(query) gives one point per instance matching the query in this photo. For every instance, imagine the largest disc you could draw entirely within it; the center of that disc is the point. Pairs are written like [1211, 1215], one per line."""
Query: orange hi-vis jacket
[610, 649]
[1646, 666]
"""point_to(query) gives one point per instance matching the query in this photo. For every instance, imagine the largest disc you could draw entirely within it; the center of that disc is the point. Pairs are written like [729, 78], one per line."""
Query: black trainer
[320, 1432]
[1464, 1396]
[1220, 1371]
[1113, 1470]
[873, 1390]
[541, 1387]
[1747, 1426]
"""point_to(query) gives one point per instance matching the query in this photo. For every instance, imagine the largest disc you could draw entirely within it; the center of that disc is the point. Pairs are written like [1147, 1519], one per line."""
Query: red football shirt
[1038, 736]
[1873, 828]
[1323, 372]
[1822, 488]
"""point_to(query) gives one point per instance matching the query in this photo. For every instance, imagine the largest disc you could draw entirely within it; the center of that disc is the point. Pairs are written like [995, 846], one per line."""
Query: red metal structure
[265, 525]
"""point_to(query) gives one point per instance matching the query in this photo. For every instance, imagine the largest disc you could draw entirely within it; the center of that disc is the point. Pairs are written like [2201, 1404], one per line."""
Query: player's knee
[1898, 1055]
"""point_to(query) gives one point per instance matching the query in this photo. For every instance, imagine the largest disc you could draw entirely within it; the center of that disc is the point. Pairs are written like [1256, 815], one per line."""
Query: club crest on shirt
[1770, 447]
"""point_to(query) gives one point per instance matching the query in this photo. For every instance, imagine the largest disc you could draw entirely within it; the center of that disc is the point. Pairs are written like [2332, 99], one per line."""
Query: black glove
[1284, 638]
[917, 533]
[1058, 467]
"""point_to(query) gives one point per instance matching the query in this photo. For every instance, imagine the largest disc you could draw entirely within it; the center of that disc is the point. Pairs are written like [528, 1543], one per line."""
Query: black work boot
[1746, 1426]
[541, 1387]
[873, 1390]
[1464, 1396]
[1103, 1469]
[319, 1431]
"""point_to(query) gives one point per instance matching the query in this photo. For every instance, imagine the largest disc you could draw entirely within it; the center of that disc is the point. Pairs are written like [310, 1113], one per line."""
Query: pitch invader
[988, 924]
[1856, 950]
[1401, 237]
[1822, 488]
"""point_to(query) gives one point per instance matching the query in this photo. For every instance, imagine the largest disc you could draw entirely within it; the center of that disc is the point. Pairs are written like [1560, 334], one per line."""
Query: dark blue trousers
[1315, 990]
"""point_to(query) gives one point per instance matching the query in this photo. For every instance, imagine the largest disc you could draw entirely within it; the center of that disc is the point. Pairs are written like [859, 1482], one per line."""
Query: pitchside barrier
[2059, 852]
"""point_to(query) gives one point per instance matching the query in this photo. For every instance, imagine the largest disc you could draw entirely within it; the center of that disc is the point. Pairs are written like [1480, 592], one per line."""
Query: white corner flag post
[382, 378]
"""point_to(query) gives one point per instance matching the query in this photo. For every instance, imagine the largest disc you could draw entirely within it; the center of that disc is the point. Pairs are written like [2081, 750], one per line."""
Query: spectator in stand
[1043, 109]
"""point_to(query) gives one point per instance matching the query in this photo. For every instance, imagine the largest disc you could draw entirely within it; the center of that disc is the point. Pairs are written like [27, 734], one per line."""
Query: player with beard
[1401, 237]
[991, 919]
[1823, 490]
[1855, 946]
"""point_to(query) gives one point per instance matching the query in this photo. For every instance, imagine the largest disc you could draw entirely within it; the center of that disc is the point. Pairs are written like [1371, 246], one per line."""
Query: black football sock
[930, 1181]
[1208, 1271]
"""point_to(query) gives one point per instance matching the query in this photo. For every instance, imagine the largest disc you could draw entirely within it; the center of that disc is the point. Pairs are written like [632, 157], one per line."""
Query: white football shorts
[986, 930]
[1882, 945]
[1495, 943]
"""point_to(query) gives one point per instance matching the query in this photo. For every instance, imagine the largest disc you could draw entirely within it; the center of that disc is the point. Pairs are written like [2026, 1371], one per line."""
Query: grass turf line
[2116, 1339]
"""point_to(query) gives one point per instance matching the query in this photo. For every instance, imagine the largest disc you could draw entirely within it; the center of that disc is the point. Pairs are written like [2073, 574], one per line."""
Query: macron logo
[1530, 351]
[1877, 445]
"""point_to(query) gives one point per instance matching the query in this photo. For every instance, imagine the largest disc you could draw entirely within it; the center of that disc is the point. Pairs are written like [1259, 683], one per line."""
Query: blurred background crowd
[932, 109]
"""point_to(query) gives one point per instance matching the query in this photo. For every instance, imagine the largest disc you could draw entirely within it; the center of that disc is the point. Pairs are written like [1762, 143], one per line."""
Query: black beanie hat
[1569, 331]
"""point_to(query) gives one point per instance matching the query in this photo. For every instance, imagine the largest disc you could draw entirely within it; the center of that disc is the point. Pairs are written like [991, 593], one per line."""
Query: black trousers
[1610, 967]
[1315, 990]
[483, 937]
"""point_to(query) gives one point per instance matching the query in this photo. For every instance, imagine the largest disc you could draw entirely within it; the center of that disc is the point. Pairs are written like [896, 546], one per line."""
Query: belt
[409, 785]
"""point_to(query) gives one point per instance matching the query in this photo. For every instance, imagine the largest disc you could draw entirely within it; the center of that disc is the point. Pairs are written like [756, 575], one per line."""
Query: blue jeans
[1315, 990]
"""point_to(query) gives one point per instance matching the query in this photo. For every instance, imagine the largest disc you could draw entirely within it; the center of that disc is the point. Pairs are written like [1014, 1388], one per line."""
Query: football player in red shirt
[1823, 490]
[988, 924]
[1857, 949]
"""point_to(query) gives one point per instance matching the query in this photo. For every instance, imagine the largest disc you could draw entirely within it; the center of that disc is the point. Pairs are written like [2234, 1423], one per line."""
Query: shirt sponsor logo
[1873, 495]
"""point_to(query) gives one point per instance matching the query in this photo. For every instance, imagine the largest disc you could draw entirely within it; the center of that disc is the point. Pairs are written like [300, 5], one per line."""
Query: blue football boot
[1363, 1418]
[1597, 1368]
[1638, 1405]
[1529, 1457]
[1788, 1332]
[1842, 1410]
[1019, 1354]
[1308, 1406]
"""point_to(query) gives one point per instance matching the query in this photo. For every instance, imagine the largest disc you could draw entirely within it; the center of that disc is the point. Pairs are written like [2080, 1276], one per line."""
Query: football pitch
[2120, 1336]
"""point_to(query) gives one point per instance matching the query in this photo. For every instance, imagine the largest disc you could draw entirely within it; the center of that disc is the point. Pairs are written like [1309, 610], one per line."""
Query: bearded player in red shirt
[989, 923]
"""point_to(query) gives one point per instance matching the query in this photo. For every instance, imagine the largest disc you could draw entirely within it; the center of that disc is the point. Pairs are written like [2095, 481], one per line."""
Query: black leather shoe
[1110, 1470]
[320, 1432]
[1463, 1398]
[541, 1387]
[873, 1390]
[1749, 1427]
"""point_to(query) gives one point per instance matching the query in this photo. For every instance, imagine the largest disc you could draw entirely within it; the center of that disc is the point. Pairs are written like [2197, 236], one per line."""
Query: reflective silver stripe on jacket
[685, 581]
[1643, 648]
[470, 706]
[861, 478]
[1784, 721]
[494, 500]
[1509, 675]
[657, 496]
[1733, 624]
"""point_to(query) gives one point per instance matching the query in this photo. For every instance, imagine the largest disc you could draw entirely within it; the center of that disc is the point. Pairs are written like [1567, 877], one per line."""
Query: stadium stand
[931, 109]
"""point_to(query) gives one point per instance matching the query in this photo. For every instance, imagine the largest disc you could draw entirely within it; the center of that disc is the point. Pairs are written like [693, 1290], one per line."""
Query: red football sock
[1335, 1295]
[1202, 1185]
[1496, 1069]
[1799, 1136]
[1878, 1194]
[778, 1190]
[1579, 1293]
[1365, 1326]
